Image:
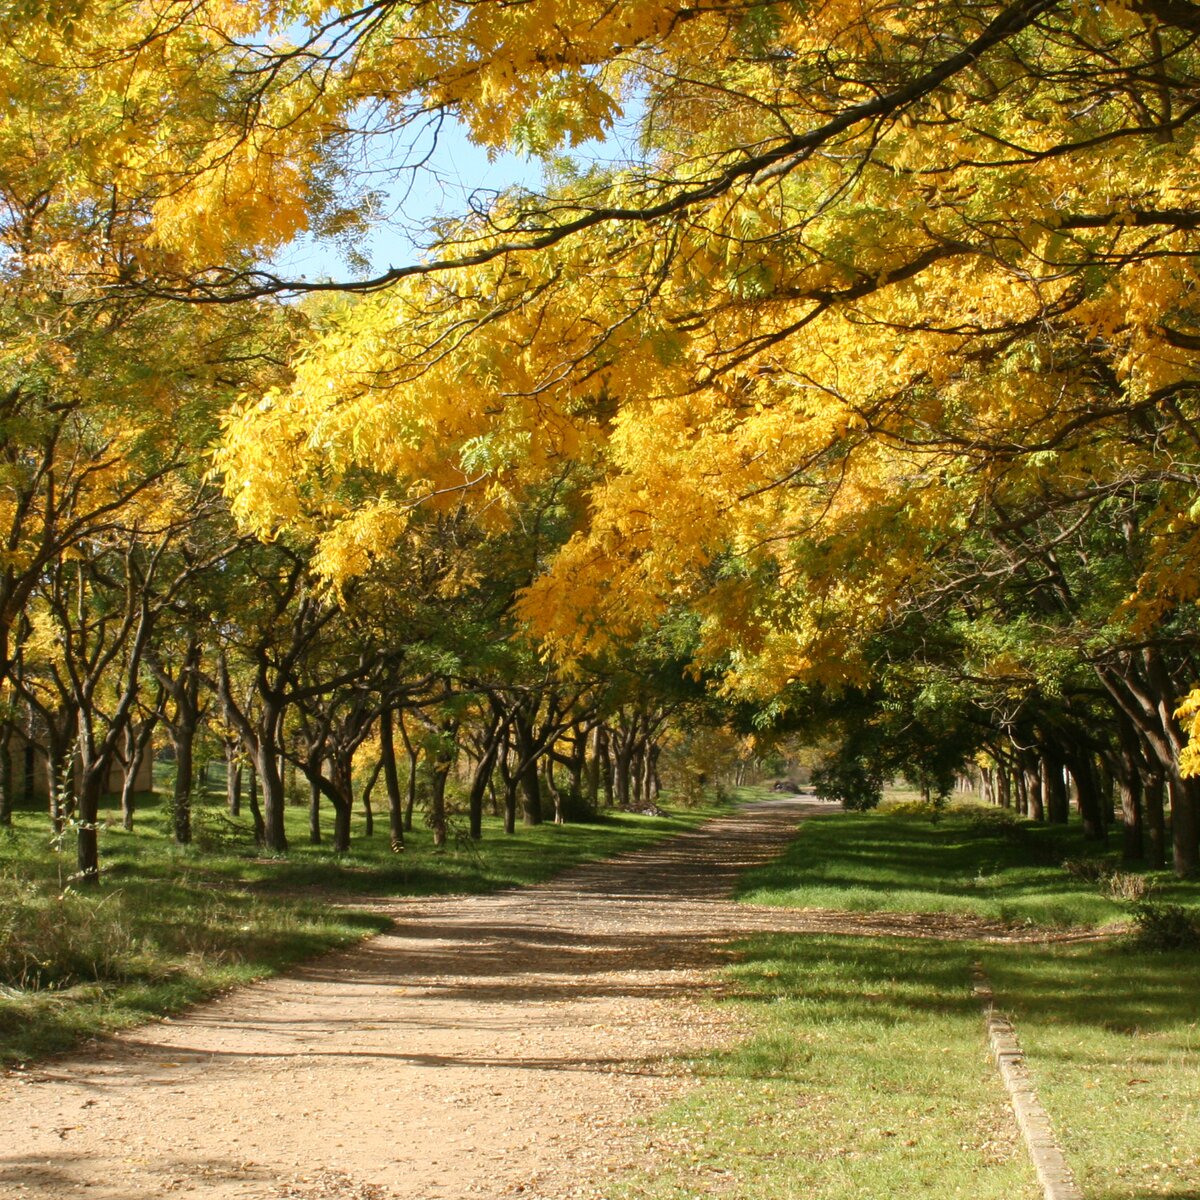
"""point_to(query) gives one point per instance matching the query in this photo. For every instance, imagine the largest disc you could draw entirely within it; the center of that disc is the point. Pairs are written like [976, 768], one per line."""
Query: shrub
[1125, 885]
[1166, 927]
[853, 783]
[1120, 885]
[1090, 870]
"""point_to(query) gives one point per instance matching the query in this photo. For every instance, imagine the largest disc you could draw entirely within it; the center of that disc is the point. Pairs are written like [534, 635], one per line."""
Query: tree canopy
[877, 360]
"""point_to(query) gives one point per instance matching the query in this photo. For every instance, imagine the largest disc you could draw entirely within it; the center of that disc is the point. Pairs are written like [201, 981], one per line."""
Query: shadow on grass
[960, 864]
[1110, 987]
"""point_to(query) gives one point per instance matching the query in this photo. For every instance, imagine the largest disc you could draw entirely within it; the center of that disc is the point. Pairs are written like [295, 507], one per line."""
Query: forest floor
[501, 1045]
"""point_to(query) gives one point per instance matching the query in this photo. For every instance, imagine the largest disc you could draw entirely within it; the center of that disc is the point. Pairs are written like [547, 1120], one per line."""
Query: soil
[503, 1045]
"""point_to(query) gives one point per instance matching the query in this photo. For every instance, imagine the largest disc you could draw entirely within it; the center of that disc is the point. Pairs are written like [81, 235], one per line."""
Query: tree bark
[183, 737]
[1054, 788]
[482, 776]
[1087, 788]
[341, 795]
[368, 811]
[527, 772]
[260, 828]
[273, 799]
[391, 777]
[1156, 823]
[233, 779]
[439, 773]
[6, 776]
[552, 788]
[1143, 690]
[88, 845]
[314, 812]
[412, 751]
[1031, 774]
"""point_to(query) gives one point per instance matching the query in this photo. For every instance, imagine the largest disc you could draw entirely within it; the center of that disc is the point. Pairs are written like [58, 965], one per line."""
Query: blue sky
[456, 170]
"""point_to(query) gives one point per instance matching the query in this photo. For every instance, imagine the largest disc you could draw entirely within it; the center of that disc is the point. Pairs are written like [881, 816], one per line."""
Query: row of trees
[867, 387]
[154, 620]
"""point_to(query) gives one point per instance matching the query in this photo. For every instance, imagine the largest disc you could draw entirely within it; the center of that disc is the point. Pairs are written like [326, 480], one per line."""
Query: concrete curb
[1052, 1171]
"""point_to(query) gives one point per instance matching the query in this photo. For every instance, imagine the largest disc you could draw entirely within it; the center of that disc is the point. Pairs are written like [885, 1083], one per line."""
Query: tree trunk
[88, 854]
[314, 810]
[621, 772]
[439, 773]
[508, 772]
[29, 771]
[260, 828]
[1087, 789]
[183, 738]
[577, 766]
[6, 776]
[58, 783]
[1054, 789]
[391, 778]
[527, 772]
[1020, 793]
[271, 782]
[368, 811]
[1033, 790]
[137, 739]
[1143, 690]
[1129, 791]
[411, 799]
[1185, 826]
[479, 783]
[593, 768]
[233, 779]
[552, 788]
[342, 811]
[606, 767]
[1156, 825]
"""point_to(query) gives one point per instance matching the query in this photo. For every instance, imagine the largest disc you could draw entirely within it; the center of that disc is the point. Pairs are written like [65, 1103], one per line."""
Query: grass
[864, 1077]
[970, 862]
[865, 1071]
[170, 925]
[1112, 1037]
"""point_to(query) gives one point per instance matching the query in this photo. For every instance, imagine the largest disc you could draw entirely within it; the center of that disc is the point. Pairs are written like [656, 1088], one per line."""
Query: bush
[1090, 870]
[1120, 885]
[1125, 885]
[853, 783]
[1166, 927]
[989, 820]
[928, 810]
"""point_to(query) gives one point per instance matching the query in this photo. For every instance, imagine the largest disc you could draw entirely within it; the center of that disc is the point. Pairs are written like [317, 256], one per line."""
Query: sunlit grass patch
[864, 1075]
[1112, 1038]
[864, 1072]
[963, 863]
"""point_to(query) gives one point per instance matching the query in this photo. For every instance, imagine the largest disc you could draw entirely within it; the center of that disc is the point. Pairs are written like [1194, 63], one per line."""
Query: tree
[894, 309]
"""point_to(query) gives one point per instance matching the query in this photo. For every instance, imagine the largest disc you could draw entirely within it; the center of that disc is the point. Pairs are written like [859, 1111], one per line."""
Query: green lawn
[169, 925]
[864, 1078]
[1112, 1037]
[866, 1072]
[971, 862]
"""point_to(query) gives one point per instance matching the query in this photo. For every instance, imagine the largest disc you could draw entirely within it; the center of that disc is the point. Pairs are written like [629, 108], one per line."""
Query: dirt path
[487, 1046]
